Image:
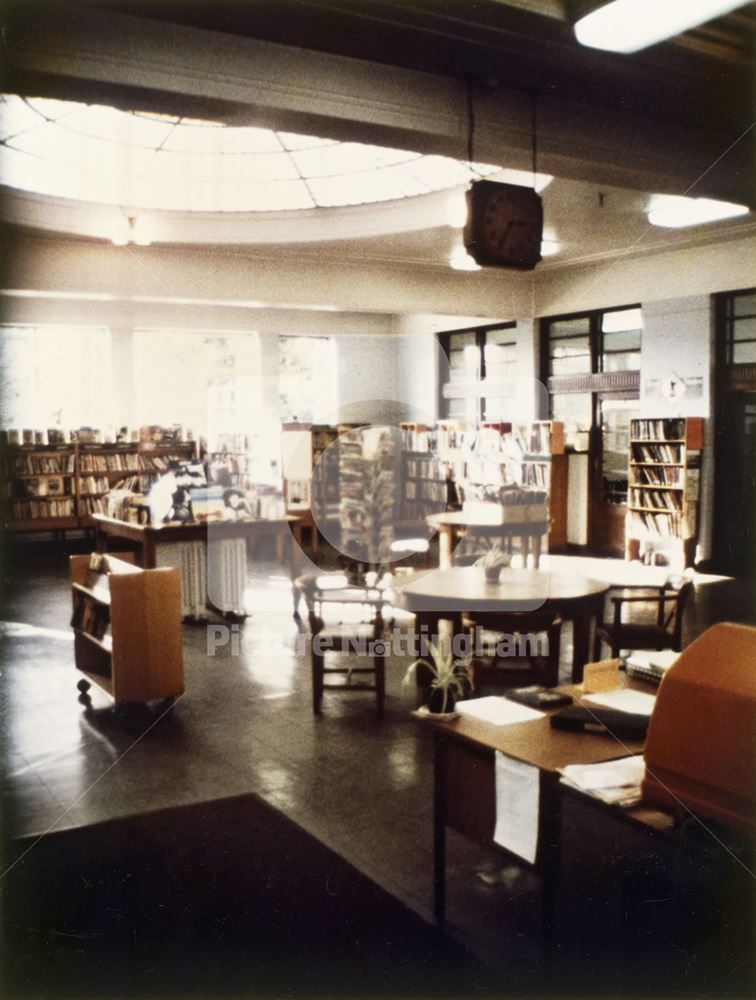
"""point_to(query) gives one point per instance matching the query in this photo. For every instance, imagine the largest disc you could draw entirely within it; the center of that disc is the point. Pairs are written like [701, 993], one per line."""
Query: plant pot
[492, 573]
[435, 703]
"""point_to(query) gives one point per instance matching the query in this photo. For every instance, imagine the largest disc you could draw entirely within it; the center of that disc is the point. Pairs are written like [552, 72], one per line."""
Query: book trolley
[127, 628]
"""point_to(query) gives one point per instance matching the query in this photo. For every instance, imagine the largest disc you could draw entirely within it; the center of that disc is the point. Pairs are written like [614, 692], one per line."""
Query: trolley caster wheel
[83, 686]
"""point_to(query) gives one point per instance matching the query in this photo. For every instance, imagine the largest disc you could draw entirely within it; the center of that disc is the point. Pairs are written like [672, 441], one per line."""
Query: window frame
[481, 332]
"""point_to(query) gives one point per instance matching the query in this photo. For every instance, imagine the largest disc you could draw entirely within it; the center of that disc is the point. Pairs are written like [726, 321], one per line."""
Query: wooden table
[465, 789]
[447, 593]
[147, 537]
[453, 525]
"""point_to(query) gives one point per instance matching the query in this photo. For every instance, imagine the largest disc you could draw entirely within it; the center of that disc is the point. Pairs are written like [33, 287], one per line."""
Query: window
[570, 347]
[740, 328]
[307, 379]
[620, 341]
[203, 380]
[56, 376]
[478, 356]
[582, 348]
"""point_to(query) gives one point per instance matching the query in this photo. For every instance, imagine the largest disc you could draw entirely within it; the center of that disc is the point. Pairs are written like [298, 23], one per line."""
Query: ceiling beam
[87, 54]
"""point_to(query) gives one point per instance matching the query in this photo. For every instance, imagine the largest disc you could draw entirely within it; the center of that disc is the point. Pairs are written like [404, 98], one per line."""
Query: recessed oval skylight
[141, 160]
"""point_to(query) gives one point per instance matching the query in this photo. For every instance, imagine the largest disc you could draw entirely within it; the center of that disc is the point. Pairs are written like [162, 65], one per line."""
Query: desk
[465, 794]
[447, 593]
[453, 525]
[153, 542]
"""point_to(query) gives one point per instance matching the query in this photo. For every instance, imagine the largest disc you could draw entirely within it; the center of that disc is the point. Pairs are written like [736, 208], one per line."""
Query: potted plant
[493, 561]
[449, 679]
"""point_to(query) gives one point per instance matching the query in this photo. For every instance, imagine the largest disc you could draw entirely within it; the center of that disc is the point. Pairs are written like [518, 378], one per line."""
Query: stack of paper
[624, 700]
[613, 781]
[498, 710]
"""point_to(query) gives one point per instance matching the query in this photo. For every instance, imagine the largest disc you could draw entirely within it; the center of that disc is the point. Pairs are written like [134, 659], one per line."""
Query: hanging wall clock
[504, 225]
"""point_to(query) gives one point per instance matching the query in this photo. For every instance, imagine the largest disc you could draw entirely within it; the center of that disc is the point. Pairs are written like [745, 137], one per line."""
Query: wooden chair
[661, 610]
[346, 622]
[530, 664]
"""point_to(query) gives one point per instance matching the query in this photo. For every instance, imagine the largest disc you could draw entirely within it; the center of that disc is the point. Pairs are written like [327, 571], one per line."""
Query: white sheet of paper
[517, 805]
[500, 711]
[625, 701]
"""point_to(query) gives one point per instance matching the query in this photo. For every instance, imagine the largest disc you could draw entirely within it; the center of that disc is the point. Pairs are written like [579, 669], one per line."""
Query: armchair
[661, 612]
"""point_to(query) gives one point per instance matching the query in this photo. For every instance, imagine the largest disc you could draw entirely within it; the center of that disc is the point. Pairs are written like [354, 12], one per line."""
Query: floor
[359, 784]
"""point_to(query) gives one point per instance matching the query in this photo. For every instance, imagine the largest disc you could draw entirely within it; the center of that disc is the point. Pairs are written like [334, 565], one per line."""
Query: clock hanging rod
[504, 225]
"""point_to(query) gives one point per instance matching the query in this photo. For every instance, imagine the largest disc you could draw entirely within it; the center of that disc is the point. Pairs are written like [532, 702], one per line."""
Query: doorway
[610, 457]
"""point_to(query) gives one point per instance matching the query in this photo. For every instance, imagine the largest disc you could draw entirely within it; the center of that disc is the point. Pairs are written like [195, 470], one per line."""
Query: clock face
[505, 223]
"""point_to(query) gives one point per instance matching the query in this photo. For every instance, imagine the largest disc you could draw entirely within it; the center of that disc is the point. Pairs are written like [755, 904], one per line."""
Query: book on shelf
[33, 510]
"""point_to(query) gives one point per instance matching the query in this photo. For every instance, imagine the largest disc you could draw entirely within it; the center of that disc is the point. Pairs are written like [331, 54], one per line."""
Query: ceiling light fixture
[631, 25]
[549, 248]
[129, 229]
[676, 212]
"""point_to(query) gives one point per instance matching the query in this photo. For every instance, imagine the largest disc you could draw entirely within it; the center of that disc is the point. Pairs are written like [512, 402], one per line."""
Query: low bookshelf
[127, 627]
[59, 487]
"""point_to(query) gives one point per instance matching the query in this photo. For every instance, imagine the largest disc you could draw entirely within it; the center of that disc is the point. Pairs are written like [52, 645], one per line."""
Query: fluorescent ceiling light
[675, 212]
[631, 25]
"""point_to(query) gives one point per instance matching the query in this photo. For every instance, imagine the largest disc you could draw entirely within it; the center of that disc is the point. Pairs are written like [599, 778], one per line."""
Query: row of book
[93, 505]
[434, 492]
[663, 499]
[669, 475]
[33, 510]
[670, 429]
[90, 616]
[118, 462]
[644, 523]
[661, 453]
[36, 465]
[53, 486]
[93, 484]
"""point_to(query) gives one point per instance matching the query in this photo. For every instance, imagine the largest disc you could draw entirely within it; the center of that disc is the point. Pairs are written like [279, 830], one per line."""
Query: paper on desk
[517, 805]
[612, 780]
[500, 711]
[625, 700]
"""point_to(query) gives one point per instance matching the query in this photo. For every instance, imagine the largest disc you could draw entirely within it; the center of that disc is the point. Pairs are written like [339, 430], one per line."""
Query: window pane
[621, 362]
[744, 305]
[622, 340]
[497, 408]
[500, 359]
[569, 327]
[458, 341]
[574, 409]
[744, 353]
[744, 329]
[622, 319]
[570, 356]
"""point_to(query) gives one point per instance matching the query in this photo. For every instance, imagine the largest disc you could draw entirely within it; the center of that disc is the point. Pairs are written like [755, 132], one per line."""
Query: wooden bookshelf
[481, 461]
[87, 471]
[664, 486]
[127, 628]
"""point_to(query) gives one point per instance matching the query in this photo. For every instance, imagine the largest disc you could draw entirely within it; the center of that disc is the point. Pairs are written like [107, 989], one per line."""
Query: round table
[447, 593]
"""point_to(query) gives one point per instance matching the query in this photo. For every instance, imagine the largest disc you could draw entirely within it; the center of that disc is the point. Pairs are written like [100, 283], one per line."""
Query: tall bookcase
[59, 487]
[664, 486]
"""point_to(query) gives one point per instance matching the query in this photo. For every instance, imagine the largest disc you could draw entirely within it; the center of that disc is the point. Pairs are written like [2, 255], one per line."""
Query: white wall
[677, 366]
[718, 265]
